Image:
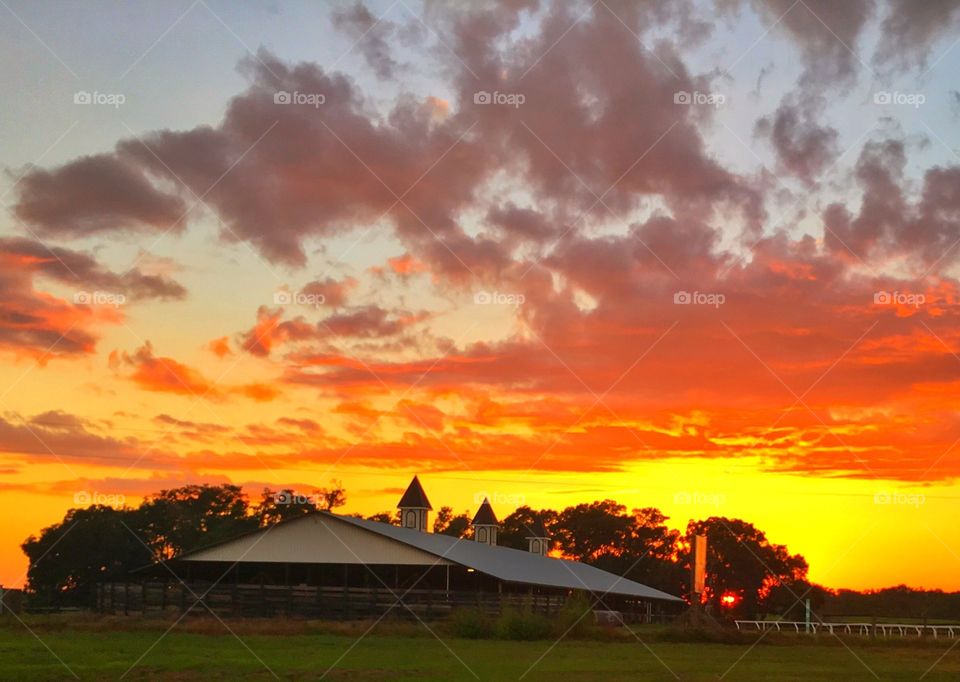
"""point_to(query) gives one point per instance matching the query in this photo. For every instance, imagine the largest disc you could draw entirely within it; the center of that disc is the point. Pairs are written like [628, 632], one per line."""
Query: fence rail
[336, 603]
[865, 629]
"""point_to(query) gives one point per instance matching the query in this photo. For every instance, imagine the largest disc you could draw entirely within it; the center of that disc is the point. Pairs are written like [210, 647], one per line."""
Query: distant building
[11, 601]
[332, 564]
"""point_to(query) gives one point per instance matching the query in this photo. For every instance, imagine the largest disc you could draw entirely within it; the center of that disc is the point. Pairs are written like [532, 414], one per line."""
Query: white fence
[874, 629]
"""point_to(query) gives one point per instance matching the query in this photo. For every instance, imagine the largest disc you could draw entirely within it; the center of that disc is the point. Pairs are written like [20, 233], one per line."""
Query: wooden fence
[335, 603]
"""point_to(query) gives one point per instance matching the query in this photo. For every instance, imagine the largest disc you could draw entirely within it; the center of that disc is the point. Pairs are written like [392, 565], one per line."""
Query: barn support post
[320, 600]
[262, 606]
[126, 598]
[429, 593]
[447, 595]
[346, 591]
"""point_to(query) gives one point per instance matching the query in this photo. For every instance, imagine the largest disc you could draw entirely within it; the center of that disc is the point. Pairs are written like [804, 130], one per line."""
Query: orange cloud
[220, 347]
[166, 375]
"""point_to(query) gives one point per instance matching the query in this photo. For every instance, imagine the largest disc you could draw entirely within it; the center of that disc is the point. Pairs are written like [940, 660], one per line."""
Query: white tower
[485, 524]
[414, 506]
[538, 540]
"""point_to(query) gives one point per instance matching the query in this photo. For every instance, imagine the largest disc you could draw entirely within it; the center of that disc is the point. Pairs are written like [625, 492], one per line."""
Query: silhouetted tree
[587, 532]
[515, 528]
[393, 518]
[333, 497]
[177, 520]
[90, 545]
[279, 506]
[649, 552]
[741, 561]
[447, 523]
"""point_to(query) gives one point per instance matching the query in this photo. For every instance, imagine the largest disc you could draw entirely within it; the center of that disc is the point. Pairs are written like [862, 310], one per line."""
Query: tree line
[748, 576]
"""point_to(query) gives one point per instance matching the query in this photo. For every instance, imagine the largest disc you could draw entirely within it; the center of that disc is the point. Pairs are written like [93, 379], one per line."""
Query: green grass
[203, 649]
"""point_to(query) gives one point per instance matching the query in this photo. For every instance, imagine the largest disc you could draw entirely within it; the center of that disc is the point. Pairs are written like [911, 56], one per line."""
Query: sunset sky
[701, 256]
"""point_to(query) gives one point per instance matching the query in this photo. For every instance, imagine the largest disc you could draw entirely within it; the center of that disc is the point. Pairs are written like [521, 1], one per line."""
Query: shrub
[575, 617]
[471, 624]
[519, 625]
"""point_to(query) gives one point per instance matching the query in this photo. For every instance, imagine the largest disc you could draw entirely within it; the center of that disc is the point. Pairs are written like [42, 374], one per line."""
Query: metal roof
[414, 497]
[513, 565]
[314, 539]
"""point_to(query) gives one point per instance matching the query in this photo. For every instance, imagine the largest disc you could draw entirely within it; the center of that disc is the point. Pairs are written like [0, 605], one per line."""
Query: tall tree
[516, 528]
[95, 544]
[332, 497]
[587, 532]
[277, 506]
[182, 519]
[742, 562]
[448, 523]
[648, 553]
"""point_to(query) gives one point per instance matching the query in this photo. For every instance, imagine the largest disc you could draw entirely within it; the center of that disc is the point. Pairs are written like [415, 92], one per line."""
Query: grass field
[268, 650]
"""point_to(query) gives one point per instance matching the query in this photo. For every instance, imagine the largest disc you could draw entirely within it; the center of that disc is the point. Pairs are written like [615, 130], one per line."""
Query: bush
[575, 616]
[519, 625]
[471, 624]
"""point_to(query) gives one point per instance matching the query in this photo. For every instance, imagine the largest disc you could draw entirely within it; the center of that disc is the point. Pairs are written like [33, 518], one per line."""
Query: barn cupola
[414, 506]
[485, 524]
[538, 540]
